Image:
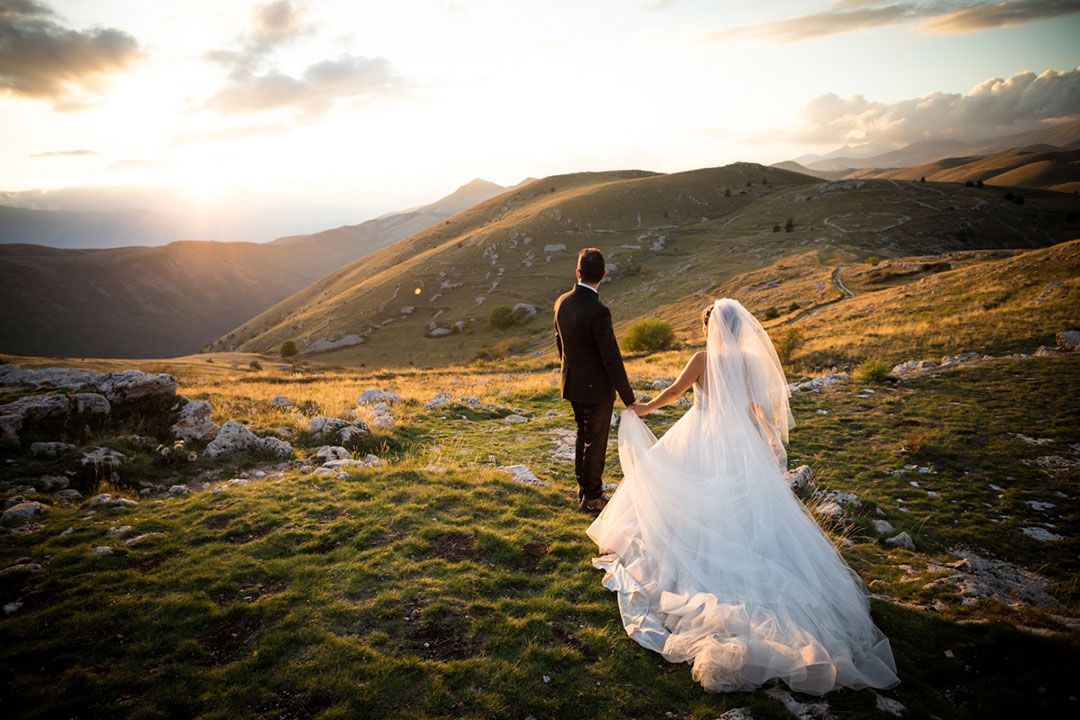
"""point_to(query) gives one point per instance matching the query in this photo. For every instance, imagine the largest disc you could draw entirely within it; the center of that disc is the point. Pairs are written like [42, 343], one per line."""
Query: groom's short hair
[590, 263]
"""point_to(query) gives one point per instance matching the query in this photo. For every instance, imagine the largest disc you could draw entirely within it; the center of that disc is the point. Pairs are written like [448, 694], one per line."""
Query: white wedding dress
[715, 561]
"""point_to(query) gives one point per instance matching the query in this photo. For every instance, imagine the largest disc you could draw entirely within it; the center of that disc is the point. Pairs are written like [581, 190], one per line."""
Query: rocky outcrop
[92, 404]
[35, 408]
[374, 395]
[801, 478]
[1068, 340]
[235, 438]
[819, 382]
[342, 431]
[9, 430]
[23, 511]
[901, 540]
[194, 423]
[50, 449]
[523, 475]
[102, 457]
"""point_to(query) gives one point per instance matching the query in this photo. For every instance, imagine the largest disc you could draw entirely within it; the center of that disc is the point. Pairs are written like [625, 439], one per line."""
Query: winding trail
[844, 295]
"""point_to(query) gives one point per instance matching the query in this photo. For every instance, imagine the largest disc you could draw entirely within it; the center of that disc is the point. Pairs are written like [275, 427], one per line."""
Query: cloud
[314, 92]
[941, 17]
[237, 132]
[40, 58]
[254, 85]
[997, 106]
[63, 153]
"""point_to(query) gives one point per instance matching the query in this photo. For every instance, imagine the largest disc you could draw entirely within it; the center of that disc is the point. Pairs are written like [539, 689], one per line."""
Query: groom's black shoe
[595, 505]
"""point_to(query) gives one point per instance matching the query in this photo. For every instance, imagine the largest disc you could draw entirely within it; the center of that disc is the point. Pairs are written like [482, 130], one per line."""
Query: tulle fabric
[715, 561]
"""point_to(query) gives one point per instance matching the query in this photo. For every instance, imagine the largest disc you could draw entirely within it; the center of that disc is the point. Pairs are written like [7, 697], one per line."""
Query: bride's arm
[771, 434]
[690, 374]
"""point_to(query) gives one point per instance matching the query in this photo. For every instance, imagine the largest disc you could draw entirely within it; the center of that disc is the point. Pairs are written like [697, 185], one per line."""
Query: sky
[304, 115]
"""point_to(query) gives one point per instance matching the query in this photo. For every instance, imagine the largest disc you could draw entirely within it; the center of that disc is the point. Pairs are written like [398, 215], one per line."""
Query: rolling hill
[671, 240]
[173, 299]
[1027, 167]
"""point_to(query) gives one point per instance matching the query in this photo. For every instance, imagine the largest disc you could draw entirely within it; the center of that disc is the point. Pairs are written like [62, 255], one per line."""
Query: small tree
[749, 183]
[1019, 199]
[288, 349]
[978, 183]
[501, 317]
[1009, 196]
[776, 227]
[793, 307]
[922, 179]
[873, 371]
[787, 342]
[969, 184]
[764, 181]
[649, 335]
[632, 267]
[727, 192]
[873, 260]
[771, 313]
[255, 365]
[789, 225]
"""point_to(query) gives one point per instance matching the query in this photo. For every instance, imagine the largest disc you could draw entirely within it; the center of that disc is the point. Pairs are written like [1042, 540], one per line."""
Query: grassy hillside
[435, 586]
[171, 300]
[672, 241]
[1050, 169]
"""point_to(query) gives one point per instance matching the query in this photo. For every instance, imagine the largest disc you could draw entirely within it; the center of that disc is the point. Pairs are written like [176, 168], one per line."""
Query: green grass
[406, 591]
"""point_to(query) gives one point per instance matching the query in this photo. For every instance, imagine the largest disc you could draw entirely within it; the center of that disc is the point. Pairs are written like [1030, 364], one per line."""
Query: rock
[801, 478]
[327, 427]
[231, 438]
[821, 382]
[526, 308]
[35, 408]
[976, 578]
[100, 456]
[194, 423]
[380, 408]
[911, 367]
[843, 498]
[179, 491]
[144, 539]
[830, 510]
[279, 401]
[893, 707]
[1035, 533]
[118, 531]
[383, 422]
[66, 532]
[92, 404]
[57, 377]
[101, 550]
[12, 606]
[276, 447]
[175, 454]
[554, 248]
[882, 527]
[373, 395]
[50, 449]
[133, 385]
[373, 460]
[49, 483]
[737, 714]
[23, 511]
[333, 452]
[439, 332]
[1045, 350]
[102, 499]
[522, 474]
[438, 401]
[958, 359]
[902, 540]
[68, 494]
[470, 400]
[9, 430]
[353, 433]
[1068, 340]
[515, 419]
[21, 567]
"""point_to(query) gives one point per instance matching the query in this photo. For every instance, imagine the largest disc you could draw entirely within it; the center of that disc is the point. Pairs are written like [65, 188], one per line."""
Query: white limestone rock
[374, 395]
[68, 494]
[23, 511]
[144, 539]
[515, 419]
[133, 385]
[353, 433]
[525, 308]
[383, 422]
[1035, 533]
[276, 447]
[1068, 340]
[882, 527]
[522, 474]
[92, 404]
[194, 423]
[280, 401]
[231, 438]
[50, 483]
[333, 452]
[438, 401]
[50, 449]
[801, 478]
[179, 491]
[901, 540]
[912, 367]
[35, 408]
[101, 550]
[102, 456]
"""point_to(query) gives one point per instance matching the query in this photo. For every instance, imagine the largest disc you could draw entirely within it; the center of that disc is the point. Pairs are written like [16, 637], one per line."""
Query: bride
[715, 561]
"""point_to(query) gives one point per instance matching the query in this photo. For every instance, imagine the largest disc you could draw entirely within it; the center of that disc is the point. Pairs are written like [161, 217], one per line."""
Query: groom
[592, 370]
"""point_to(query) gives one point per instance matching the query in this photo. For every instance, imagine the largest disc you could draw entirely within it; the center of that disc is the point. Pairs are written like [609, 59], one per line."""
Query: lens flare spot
[416, 291]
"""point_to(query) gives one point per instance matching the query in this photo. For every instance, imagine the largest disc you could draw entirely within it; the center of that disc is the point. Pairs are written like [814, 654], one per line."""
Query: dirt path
[844, 295]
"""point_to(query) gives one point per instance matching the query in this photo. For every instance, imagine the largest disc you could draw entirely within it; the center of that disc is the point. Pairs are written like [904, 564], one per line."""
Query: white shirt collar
[590, 287]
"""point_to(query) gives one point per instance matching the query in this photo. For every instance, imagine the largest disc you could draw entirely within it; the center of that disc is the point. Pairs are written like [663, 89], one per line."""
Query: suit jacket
[592, 366]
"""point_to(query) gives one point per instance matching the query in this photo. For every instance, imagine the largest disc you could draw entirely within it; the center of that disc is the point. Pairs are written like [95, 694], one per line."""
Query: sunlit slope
[671, 241]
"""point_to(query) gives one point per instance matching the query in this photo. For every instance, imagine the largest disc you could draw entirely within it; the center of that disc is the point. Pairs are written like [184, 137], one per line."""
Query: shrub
[922, 179]
[649, 335]
[632, 267]
[727, 192]
[503, 349]
[873, 260]
[765, 181]
[776, 227]
[789, 225]
[969, 184]
[771, 313]
[1070, 217]
[255, 365]
[787, 342]
[793, 307]
[288, 349]
[1019, 199]
[501, 317]
[978, 183]
[1009, 196]
[873, 370]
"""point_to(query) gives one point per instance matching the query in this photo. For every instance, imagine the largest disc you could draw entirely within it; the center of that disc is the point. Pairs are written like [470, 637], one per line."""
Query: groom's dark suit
[592, 370]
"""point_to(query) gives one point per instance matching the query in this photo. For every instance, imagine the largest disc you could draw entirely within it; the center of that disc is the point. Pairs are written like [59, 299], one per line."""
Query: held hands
[640, 409]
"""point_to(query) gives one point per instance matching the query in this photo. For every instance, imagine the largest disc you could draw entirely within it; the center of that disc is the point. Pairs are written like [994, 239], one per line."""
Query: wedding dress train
[715, 561]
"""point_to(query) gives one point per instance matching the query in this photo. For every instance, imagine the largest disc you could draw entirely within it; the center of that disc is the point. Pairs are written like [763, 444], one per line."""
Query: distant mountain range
[1063, 136]
[173, 299]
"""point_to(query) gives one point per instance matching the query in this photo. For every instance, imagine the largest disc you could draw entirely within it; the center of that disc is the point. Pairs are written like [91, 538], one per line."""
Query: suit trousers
[590, 451]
